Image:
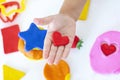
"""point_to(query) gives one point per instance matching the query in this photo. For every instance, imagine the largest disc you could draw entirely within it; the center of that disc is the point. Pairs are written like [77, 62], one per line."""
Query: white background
[104, 15]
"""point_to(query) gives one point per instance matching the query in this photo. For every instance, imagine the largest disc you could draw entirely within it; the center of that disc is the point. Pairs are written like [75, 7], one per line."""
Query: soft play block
[105, 53]
[85, 10]
[61, 71]
[33, 37]
[11, 73]
[10, 38]
[59, 40]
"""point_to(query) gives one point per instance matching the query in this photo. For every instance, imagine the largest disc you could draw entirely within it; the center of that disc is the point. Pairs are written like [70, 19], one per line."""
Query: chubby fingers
[59, 54]
[47, 47]
[52, 53]
[55, 54]
[67, 50]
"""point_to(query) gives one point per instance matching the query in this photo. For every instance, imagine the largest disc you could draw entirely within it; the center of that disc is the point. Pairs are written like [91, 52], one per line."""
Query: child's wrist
[69, 16]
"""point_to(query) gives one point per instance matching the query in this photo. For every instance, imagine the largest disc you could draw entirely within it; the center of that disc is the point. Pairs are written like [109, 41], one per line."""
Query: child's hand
[66, 26]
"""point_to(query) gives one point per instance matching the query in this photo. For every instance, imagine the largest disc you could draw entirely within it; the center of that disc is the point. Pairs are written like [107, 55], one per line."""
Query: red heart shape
[59, 40]
[7, 5]
[108, 49]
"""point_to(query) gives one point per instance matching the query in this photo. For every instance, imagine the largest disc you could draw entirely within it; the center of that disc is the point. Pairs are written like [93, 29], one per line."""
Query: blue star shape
[33, 37]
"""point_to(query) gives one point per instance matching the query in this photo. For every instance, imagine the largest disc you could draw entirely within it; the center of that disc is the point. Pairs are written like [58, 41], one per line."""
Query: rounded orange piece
[56, 72]
[33, 54]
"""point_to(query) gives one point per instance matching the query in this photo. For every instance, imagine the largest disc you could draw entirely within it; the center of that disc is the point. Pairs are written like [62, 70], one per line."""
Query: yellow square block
[11, 73]
[85, 10]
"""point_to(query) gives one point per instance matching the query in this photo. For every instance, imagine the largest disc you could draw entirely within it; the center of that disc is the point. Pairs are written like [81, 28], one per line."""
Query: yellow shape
[85, 10]
[67, 77]
[34, 59]
[41, 28]
[35, 49]
[2, 1]
[11, 73]
[3, 9]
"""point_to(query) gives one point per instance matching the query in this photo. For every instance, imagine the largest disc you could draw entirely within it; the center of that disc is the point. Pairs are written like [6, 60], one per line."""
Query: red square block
[10, 38]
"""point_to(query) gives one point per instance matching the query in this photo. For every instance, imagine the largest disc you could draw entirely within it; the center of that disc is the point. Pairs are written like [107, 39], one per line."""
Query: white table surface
[104, 15]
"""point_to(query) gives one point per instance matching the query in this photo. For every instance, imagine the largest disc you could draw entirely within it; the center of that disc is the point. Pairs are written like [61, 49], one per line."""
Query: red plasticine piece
[108, 49]
[59, 40]
[10, 38]
[77, 43]
[7, 5]
[76, 40]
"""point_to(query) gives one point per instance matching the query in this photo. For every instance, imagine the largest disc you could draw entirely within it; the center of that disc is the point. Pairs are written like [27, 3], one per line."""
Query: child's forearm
[72, 8]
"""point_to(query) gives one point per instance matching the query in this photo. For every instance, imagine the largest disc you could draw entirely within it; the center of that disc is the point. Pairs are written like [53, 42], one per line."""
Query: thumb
[43, 21]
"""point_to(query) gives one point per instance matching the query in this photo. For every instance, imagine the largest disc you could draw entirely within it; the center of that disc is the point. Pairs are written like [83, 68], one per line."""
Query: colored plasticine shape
[8, 5]
[10, 38]
[77, 43]
[84, 14]
[60, 71]
[33, 37]
[11, 73]
[59, 40]
[105, 53]
[8, 13]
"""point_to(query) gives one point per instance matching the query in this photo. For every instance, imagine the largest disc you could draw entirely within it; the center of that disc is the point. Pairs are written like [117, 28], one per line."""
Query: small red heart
[108, 49]
[59, 40]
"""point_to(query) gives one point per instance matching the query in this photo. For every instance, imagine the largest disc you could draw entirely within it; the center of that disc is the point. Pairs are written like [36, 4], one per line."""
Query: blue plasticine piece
[33, 37]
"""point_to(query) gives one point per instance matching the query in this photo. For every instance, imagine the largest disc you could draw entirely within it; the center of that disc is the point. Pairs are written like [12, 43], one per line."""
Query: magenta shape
[101, 63]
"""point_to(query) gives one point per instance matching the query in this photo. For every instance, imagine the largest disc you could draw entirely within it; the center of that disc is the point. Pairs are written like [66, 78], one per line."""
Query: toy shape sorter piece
[10, 73]
[33, 37]
[84, 13]
[59, 40]
[30, 40]
[11, 3]
[35, 54]
[77, 43]
[105, 53]
[4, 7]
[60, 71]
[10, 38]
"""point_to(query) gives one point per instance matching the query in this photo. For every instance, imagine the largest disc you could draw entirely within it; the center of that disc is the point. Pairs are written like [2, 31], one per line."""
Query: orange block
[60, 71]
